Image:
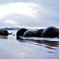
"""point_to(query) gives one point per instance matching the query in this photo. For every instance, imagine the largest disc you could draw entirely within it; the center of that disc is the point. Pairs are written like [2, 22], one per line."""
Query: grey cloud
[21, 19]
[14, 1]
[24, 20]
[33, 1]
[51, 5]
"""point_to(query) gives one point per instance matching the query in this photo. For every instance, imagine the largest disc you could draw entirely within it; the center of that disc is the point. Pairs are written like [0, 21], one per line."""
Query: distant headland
[10, 28]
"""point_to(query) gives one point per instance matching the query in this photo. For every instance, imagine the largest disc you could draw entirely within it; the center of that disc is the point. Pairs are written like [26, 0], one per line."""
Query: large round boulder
[29, 34]
[5, 32]
[20, 32]
[38, 32]
[50, 32]
[1, 32]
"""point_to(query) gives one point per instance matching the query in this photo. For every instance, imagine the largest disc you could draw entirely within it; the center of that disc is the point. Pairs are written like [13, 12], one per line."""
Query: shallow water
[28, 48]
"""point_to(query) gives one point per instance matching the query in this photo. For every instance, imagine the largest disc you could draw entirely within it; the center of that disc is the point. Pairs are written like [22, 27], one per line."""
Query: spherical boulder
[20, 32]
[38, 32]
[1, 32]
[50, 32]
[5, 32]
[29, 34]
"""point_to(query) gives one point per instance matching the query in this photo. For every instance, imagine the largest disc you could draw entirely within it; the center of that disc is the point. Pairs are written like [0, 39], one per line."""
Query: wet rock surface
[50, 32]
[29, 34]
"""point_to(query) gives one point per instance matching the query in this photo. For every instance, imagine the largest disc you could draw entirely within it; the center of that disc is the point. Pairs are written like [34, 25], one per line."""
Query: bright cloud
[18, 20]
[11, 23]
[19, 8]
[34, 13]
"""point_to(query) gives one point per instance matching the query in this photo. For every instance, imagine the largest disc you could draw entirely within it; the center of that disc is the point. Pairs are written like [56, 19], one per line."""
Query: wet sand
[34, 48]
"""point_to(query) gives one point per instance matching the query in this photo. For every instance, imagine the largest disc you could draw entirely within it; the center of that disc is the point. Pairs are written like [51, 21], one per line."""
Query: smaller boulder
[29, 34]
[38, 32]
[5, 32]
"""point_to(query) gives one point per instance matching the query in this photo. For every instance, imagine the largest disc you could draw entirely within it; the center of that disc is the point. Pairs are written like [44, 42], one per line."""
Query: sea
[28, 47]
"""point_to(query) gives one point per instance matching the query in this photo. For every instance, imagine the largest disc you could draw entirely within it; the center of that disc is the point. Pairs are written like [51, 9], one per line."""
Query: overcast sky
[29, 13]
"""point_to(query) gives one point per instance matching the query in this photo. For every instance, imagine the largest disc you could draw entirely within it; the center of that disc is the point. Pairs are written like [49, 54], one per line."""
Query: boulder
[20, 32]
[29, 34]
[50, 32]
[38, 32]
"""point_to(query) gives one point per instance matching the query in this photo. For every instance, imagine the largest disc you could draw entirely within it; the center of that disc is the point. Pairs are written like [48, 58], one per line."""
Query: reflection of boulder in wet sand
[48, 44]
[3, 37]
[50, 32]
[29, 34]
[38, 32]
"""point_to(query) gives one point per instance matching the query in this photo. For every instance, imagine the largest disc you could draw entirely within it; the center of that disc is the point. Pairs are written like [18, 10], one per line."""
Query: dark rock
[1, 32]
[50, 32]
[38, 32]
[5, 32]
[21, 31]
[29, 34]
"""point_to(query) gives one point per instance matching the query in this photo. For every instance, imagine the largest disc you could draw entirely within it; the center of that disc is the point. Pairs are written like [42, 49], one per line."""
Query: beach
[33, 48]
